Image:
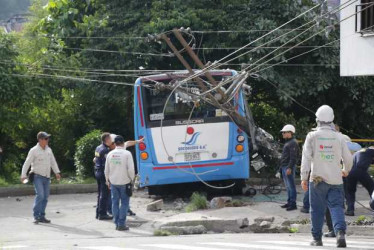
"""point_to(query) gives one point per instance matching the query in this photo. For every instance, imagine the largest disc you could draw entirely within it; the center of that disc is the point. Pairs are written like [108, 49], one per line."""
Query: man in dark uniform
[359, 173]
[103, 192]
[288, 165]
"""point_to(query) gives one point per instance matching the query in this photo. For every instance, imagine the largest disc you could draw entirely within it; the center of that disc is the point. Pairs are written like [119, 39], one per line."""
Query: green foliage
[58, 43]
[360, 219]
[198, 201]
[85, 152]
[293, 230]
[11, 168]
[3, 182]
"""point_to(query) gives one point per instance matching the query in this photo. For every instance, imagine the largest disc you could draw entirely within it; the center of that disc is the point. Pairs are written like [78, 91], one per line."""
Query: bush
[198, 201]
[3, 182]
[85, 152]
[11, 168]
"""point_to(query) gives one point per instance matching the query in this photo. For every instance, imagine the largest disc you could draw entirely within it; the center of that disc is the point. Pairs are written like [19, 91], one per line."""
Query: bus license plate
[192, 157]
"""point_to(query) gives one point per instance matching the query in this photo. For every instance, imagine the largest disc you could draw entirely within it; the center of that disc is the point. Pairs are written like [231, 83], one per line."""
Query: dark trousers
[102, 194]
[357, 175]
[329, 220]
[326, 196]
[289, 182]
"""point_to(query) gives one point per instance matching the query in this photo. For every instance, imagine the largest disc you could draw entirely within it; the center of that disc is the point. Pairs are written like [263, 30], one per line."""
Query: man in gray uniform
[42, 160]
[119, 173]
[322, 153]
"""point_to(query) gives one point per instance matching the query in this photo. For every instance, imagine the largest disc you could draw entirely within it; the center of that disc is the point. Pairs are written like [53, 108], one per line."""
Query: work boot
[340, 239]
[131, 213]
[304, 210]
[330, 234]
[36, 221]
[122, 228]
[350, 213]
[105, 217]
[290, 208]
[44, 220]
[285, 206]
[316, 243]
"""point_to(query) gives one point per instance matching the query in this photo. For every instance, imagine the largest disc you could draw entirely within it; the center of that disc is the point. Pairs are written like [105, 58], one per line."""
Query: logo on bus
[193, 139]
[191, 144]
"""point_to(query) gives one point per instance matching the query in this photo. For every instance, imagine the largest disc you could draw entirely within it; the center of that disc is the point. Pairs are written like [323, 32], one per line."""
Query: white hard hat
[112, 137]
[288, 128]
[325, 114]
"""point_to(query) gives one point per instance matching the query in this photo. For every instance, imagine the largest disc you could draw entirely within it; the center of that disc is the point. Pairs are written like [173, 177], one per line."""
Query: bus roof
[181, 73]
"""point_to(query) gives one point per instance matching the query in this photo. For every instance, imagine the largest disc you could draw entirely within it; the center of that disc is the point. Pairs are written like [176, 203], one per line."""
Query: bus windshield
[179, 106]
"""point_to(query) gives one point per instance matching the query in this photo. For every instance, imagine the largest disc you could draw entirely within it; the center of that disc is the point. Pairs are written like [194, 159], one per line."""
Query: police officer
[359, 173]
[103, 192]
[322, 153]
[288, 165]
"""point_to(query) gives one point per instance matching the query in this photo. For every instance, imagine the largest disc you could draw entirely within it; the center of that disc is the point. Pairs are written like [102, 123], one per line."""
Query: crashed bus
[186, 139]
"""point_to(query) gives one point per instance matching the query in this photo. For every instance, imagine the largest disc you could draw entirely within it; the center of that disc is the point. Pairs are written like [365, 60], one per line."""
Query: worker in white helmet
[322, 153]
[288, 165]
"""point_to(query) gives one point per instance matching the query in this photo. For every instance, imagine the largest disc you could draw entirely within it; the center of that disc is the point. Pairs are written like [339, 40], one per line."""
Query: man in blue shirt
[359, 173]
[103, 192]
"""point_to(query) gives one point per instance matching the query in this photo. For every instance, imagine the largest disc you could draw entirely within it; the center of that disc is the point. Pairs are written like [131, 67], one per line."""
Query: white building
[357, 38]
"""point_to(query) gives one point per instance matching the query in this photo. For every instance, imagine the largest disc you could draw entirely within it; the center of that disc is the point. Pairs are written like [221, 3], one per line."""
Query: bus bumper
[235, 168]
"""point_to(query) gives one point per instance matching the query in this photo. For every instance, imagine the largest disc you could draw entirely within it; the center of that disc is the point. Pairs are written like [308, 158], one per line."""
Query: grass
[160, 232]
[67, 178]
[198, 201]
[360, 219]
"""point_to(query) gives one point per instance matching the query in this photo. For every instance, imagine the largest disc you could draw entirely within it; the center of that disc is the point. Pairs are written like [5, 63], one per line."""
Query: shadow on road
[74, 230]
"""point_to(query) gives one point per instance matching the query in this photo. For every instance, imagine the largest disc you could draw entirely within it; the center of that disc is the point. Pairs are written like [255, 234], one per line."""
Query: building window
[365, 17]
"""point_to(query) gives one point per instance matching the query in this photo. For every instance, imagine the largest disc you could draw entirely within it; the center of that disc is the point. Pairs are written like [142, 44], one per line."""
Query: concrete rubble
[184, 230]
[155, 205]
[220, 202]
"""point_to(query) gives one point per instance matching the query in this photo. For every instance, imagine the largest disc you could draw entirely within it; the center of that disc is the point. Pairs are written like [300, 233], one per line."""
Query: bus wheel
[155, 190]
[237, 189]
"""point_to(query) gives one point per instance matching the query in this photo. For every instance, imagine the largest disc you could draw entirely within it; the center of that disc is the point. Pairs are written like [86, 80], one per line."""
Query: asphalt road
[128, 241]
[74, 227]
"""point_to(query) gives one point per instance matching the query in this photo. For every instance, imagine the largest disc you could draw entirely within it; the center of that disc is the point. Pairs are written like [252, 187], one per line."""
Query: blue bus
[208, 147]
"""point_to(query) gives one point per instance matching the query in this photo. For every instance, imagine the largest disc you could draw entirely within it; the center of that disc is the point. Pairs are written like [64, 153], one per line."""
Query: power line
[121, 52]
[302, 41]
[32, 75]
[315, 19]
[216, 64]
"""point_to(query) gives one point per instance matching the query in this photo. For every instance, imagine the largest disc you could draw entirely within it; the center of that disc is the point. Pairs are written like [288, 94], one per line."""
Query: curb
[213, 225]
[351, 230]
[55, 189]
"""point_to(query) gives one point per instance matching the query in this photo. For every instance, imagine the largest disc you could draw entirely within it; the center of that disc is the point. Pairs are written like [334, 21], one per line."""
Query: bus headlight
[240, 138]
[144, 155]
[239, 148]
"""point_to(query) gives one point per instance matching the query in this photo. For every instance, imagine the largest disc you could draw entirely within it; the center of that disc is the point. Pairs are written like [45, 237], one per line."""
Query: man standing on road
[288, 165]
[119, 172]
[322, 153]
[42, 160]
[359, 173]
[101, 153]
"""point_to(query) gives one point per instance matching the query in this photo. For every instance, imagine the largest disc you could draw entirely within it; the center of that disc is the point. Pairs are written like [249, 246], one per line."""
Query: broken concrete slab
[212, 224]
[156, 205]
[185, 230]
[266, 228]
[265, 224]
[261, 219]
[220, 202]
